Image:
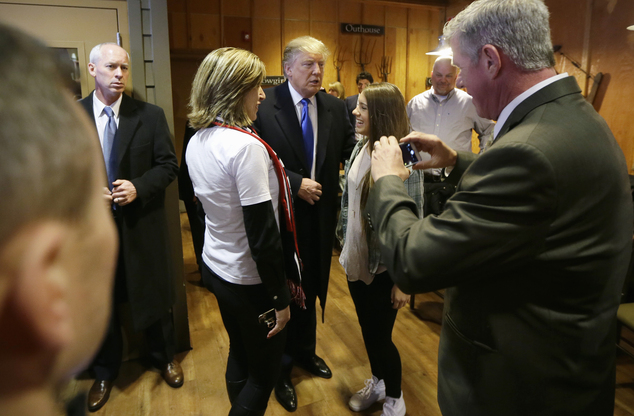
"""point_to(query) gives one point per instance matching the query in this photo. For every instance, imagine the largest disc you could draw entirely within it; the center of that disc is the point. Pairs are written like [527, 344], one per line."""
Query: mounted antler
[362, 57]
[385, 68]
[338, 60]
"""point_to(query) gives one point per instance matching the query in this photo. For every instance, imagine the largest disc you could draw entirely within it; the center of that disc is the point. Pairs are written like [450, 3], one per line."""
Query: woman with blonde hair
[242, 186]
[336, 89]
[380, 112]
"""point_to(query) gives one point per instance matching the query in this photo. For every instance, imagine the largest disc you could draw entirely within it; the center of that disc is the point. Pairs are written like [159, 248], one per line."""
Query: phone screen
[409, 154]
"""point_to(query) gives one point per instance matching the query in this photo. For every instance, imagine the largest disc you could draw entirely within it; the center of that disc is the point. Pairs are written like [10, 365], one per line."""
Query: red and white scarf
[293, 277]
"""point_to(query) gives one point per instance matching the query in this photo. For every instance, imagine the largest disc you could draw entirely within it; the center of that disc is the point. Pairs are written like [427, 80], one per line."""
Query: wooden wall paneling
[267, 9]
[327, 33]
[612, 48]
[418, 18]
[567, 27]
[349, 12]
[177, 5]
[297, 9]
[416, 62]
[267, 44]
[374, 15]
[323, 11]
[234, 30]
[294, 29]
[183, 72]
[396, 47]
[178, 30]
[236, 8]
[203, 6]
[204, 31]
[396, 16]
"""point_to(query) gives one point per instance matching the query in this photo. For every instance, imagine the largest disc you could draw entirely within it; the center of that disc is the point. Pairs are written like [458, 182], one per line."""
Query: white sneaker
[394, 407]
[373, 391]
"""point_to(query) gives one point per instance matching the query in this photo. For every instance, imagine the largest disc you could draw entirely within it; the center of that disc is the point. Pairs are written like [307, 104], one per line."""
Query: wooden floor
[140, 390]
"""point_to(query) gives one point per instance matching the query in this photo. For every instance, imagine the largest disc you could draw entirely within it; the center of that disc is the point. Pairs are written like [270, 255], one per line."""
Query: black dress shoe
[99, 394]
[316, 366]
[285, 394]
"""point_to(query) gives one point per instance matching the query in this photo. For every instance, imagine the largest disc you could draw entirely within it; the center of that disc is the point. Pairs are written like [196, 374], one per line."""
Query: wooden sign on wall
[362, 29]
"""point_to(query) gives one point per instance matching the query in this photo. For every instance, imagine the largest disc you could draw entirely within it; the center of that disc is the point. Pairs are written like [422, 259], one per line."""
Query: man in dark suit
[141, 165]
[535, 243]
[363, 80]
[310, 132]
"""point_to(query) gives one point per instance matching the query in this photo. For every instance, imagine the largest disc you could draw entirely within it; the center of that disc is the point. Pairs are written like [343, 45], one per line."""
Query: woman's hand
[281, 319]
[399, 299]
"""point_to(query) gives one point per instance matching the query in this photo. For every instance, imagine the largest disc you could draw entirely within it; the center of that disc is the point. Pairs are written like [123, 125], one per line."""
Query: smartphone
[410, 155]
[267, 319]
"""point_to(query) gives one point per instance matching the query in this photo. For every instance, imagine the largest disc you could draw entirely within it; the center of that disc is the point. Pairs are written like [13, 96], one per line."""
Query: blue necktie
[307, 133]
[110, 146]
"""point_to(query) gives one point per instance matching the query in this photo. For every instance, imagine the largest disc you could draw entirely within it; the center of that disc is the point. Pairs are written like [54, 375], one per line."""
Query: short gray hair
[518, 27]
[95, 53]
[303, 44]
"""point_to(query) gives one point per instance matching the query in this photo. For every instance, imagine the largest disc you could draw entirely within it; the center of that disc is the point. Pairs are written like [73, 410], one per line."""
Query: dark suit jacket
[351, 104]
[534, 247]
[278, 125]
[147, 159]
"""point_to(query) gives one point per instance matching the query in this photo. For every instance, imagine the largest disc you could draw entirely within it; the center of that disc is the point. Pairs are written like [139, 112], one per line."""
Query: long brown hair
[388, 117]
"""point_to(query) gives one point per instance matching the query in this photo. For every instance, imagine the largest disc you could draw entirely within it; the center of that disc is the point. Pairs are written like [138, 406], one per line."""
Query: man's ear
[36, 315]
[492, 60]
[91, 69]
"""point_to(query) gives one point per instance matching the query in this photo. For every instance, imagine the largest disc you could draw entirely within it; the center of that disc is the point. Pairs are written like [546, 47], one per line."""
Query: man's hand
[123, 192]
[281, 319]
[399, 299]
[442, 156]
[309, 191]
[387, 159]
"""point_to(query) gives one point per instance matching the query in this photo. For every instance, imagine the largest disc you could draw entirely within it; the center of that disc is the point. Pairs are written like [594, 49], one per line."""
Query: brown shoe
[173, 374]
[99, 394]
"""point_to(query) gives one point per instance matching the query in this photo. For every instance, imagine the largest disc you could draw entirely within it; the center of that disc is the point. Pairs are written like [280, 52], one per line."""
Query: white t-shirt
[230, 169]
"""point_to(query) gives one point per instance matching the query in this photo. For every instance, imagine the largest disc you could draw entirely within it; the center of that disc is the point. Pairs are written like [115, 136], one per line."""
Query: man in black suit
[141, 165]
[534, 245]
[363, 80]
[311, 133]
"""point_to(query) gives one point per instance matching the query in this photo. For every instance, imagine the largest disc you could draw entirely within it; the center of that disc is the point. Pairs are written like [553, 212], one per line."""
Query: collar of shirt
[504, 115]
[297, 100]
[101, 119]
[440, 98]
[98, 107]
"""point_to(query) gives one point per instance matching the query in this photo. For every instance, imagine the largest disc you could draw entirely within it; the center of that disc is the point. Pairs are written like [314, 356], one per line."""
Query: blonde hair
[338, 86]
[223, 80]
[303, 44]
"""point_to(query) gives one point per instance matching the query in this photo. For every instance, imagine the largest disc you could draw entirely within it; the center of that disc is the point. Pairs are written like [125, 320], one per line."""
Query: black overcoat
[147, 159]
[278, 125]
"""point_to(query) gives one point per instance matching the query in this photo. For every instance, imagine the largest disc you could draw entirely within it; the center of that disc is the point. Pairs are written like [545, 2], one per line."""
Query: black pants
[252, 357]
[373, 303]
[160, 341]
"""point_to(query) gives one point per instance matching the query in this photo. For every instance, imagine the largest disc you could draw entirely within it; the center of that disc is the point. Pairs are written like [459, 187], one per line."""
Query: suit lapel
[557, 89]
[287, 119]
[324, 120]
[128, 122]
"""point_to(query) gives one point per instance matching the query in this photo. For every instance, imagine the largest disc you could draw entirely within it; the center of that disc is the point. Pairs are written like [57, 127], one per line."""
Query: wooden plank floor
[141, 391]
